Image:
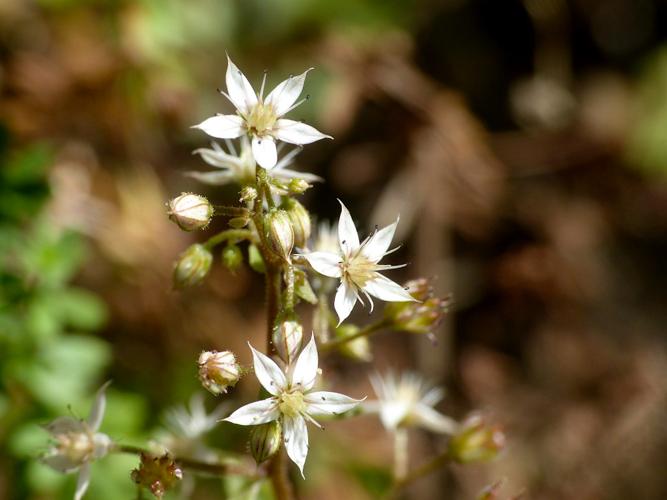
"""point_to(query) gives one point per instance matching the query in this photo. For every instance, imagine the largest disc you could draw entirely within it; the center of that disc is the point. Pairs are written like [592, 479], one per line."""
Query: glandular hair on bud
[218, 371]
[192, 266]
[287, 338]
[159, 474]
[190, 211]
[300, 219]
[232, 257]
[280, 231]
[265, 441]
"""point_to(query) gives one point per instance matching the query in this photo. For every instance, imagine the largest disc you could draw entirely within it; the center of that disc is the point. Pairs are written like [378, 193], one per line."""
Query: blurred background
[523, 143]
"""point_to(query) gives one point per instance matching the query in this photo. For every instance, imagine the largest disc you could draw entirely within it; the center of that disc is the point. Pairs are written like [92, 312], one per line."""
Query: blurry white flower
[78, 443]
[193, 422]
[406, 401]
[292, 400]
[260, 118]
[240, 168]
[356, 264]
[326, 239]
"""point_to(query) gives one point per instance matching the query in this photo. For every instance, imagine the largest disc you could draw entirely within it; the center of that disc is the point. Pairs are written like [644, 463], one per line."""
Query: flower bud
[255, 259]
[218, 371]
[265, 441]
[300, 219]
[190, 211]
[298, 186]
[477, 441]
[358, 349]
[287, 337]
[248, 193]
[232, 257]
[281, 233]
[239, 222]
[158, 474]
[417, 317]
[192, 266]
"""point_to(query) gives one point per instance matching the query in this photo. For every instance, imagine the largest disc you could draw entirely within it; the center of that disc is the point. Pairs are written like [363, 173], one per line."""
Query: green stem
[400, 453]
[231, 211]
[423, 470]
[229, 234]
[289, 288]
[364, 332]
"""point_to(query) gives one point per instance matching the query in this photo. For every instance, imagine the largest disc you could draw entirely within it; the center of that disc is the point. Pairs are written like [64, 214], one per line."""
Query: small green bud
[248, 193]
[417, 317]
[477, 441]
[287, 338]
[298, 186]
[281, 233]
[265, 441]
[302, 287]
[218, 371]
[192, 266]
[190, 211]
[232, 257]
[358, 349]
[255, 259]
[300, 220]
[239, 222]
[158, 474]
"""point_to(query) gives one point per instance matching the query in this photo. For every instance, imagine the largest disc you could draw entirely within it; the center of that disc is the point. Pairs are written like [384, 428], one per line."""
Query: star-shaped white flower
[356, 264]
[78, 443]
[292, 400]
[408, 401]
[260, 118]
[240, 168]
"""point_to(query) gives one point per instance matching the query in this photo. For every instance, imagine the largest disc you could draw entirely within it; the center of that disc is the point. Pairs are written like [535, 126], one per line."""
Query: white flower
[240, 168]
[356, 264]
[260, 118]
[193, 422]
[407, 401]
[327, 238]
[78, 443]
[292, 400]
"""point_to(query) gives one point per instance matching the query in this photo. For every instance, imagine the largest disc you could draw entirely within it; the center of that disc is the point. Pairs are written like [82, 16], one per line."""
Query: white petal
[392, 413]
[264, 151]
[268, 372]
[305, 368]
[347, 232]
[217, 158]
[385, 289]
[97, 411]
[223, 126]
[296, 440]
[213, 178]
[297, 132]
[344, 301]
[82, 482]
[430, 419]
[239, 89]
[65, 425]
[378, 244]
[329, 403]
[60, 463]
[259, 412]
[325, 263]
[286, 93]
[284, 173]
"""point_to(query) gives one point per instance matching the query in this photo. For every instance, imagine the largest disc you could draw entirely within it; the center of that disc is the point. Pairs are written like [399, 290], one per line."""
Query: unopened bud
[281, 233]
[239, 222]
[248, 193]
[255, 259]
[300, 219]
[190, 211]
[298, 186]
[158, 474]
[218, 371]
[287, 338]
[476, 441]
[417, 317]
[265, 441]
[232, 257]
[192, 266]
[358, 349]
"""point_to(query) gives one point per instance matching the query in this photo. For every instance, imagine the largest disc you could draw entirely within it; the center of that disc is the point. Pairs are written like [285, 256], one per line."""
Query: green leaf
[302, 287]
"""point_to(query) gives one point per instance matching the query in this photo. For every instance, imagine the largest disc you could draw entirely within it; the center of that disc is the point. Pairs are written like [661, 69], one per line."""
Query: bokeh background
[523, 143]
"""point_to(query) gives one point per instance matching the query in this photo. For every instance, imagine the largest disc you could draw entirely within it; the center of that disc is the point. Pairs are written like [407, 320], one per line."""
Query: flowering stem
[229, 234]
[432, 465]
[231, 211]
[289, 288]
[282, 487]
[400, 453]
[364, 332]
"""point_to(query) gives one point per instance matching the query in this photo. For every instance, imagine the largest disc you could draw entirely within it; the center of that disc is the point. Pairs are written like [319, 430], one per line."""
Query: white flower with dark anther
[78, 443]
[356, 264]
[261, 118]
[292, 400]
[240, 167]
[408, 401]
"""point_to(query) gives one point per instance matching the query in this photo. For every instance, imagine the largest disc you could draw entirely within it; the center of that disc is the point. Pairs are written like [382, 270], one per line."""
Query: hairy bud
[300, 219]
[190, 211]
[287, 338]
[232, 257]
[358, 349]
[158, 474]
[248, 193]
[281, 233]
[239, 222]
[218, 371]
[417, 317]
[192, 266]
[476, 441]
[265, 441]
[298, 186]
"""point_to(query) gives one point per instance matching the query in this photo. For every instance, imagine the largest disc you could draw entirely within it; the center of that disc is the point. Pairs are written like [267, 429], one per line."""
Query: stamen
[299, 103]
[261, 89]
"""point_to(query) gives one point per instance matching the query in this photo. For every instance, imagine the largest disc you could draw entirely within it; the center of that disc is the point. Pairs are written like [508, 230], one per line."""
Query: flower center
[291, 404]
[358, 269]
[260, 119]
[77, 446]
